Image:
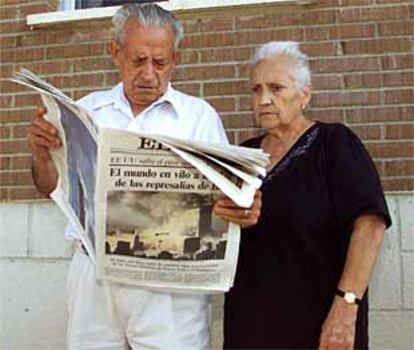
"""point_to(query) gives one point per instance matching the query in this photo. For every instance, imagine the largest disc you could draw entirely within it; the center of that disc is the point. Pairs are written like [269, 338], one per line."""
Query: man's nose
[148, 71]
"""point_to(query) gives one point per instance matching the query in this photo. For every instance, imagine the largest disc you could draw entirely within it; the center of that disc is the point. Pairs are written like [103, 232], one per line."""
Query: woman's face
[277, 103]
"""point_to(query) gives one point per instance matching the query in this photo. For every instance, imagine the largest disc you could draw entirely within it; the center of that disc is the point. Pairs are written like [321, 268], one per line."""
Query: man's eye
[255, 89]
[276, 88]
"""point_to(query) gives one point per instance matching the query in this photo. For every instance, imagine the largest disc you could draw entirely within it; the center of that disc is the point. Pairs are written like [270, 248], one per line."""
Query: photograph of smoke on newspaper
[158, 225]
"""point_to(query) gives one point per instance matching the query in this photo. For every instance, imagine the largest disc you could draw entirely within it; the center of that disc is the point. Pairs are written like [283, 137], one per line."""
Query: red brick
[112, 78]
[222, 104]
[379, 80]
[322, 82]
[227, 54]
[21, 162]
[5, 133]
[398, 184]
[28, 100]
[220, 24]
[21, 55]
[396, 28]
[245, 104]
[397, 61]
[15, 178]
[391, 149]
[380, 114]
[20, 131]
[4, 194]
[25, 193]
[399, 96]
[336, 65]
[207, 40]
[319, 49]
[226, 88]
[400, 131]
[385, 13]
[189, 88]
[70, 51]
[92, 64]
[367, 132]
[187, 57]
[399, 167]
[378, 46]
[11, 147]
[4, 163]
[357, 2]
[8, 42]
[13, 26]
[204, 72]
[343, 32]
[6, 101]
[330, 99]
[190, 26]
[15, 115]
[88, 80]
[81, 93]
[260, 37]
[48, 68]
[7, 13]
[31, 9]
[325, 115]
[238, 120]
[6, 71]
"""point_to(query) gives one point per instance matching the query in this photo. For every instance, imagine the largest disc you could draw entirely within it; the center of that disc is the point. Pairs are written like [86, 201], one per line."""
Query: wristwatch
[349, 297]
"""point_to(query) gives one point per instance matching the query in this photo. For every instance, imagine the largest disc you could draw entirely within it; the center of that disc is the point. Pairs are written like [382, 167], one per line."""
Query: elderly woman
[304, 268]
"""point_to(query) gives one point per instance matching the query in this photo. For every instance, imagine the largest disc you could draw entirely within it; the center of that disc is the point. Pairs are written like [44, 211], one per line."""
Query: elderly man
[118, 316]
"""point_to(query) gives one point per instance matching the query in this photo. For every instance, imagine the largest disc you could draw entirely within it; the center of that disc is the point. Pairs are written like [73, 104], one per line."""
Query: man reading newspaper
[114, 316]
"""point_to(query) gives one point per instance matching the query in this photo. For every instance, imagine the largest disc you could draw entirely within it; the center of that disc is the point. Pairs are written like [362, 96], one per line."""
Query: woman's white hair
[291, 50]
[148, 15]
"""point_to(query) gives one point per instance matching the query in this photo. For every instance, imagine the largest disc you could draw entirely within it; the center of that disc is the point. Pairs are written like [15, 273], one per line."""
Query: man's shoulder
[97, 99]
[192, 102]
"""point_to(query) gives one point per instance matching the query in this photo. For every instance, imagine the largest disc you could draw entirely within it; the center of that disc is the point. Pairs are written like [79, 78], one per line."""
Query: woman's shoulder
[336, 132]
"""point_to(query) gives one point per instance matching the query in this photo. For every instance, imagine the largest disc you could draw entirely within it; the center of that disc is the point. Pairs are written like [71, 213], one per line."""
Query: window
[67, 5]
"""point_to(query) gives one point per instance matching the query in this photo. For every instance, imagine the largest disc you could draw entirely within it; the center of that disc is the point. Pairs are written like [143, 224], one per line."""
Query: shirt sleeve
[211, 128]
[352, 178]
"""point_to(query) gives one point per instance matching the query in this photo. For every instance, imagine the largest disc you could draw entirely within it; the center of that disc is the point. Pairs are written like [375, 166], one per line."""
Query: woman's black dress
[291, 261]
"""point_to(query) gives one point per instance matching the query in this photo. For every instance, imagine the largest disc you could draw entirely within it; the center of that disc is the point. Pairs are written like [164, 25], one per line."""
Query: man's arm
[338, 330]
[41, 137]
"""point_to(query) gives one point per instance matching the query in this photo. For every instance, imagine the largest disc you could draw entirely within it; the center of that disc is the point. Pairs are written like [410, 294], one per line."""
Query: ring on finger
[246, 213]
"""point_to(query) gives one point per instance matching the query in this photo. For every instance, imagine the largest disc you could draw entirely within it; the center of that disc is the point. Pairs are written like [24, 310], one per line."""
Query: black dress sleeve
[352, 178]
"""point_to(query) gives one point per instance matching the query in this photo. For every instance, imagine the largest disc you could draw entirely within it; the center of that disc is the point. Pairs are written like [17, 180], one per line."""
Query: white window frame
[63, 17]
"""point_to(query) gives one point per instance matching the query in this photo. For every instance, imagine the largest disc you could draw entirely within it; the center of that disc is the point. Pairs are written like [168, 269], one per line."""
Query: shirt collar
[116, 97]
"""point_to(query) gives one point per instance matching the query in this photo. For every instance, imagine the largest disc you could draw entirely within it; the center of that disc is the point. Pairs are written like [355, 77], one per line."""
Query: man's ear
[114, 49]
[306, 95]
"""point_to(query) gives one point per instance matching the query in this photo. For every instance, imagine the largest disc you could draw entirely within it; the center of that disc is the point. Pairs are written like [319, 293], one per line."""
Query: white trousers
[113, 316]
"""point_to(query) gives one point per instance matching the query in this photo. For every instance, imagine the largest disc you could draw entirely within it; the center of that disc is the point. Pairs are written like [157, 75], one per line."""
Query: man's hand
[245, 217]
[338, 330]
[42, 136]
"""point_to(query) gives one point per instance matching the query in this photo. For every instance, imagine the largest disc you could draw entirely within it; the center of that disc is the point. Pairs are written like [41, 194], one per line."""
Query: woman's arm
[338, 330]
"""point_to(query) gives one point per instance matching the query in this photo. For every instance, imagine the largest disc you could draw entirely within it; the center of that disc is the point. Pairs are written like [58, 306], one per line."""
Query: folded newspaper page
[141, 204]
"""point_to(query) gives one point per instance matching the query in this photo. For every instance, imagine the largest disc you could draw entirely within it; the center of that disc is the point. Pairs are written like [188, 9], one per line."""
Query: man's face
[146, 60]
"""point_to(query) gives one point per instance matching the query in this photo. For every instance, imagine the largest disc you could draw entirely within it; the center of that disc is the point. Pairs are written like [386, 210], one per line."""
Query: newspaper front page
[155, 210]
[141, 204]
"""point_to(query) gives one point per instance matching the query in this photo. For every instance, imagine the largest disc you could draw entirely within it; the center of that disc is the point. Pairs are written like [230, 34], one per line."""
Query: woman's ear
[306, 96]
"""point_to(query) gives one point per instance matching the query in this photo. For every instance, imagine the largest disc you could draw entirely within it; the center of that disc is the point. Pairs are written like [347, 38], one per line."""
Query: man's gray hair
[148, 15]
[291, 50]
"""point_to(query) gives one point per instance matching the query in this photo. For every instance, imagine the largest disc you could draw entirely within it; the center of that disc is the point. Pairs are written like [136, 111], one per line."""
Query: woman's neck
[278, 141]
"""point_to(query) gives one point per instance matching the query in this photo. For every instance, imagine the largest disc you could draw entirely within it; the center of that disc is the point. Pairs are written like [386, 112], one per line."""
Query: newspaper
[141, 204]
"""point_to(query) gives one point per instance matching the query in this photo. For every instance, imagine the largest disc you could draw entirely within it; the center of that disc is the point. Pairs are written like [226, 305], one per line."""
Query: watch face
[350, 297]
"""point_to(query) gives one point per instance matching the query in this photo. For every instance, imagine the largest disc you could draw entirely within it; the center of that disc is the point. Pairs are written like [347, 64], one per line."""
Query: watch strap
[342, 294]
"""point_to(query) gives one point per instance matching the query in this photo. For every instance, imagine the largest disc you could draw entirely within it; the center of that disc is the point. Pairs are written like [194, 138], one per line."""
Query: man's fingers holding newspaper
[42, 135]
[245, 217]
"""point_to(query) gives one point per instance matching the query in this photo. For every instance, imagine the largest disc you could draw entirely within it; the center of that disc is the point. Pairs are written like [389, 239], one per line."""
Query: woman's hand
[338, 330]
[245, 217]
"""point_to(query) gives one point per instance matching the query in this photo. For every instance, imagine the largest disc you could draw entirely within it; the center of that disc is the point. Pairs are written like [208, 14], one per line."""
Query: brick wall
[362, 64]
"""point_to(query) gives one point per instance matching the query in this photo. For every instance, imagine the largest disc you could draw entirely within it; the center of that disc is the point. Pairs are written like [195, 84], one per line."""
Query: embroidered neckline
[310, 136]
